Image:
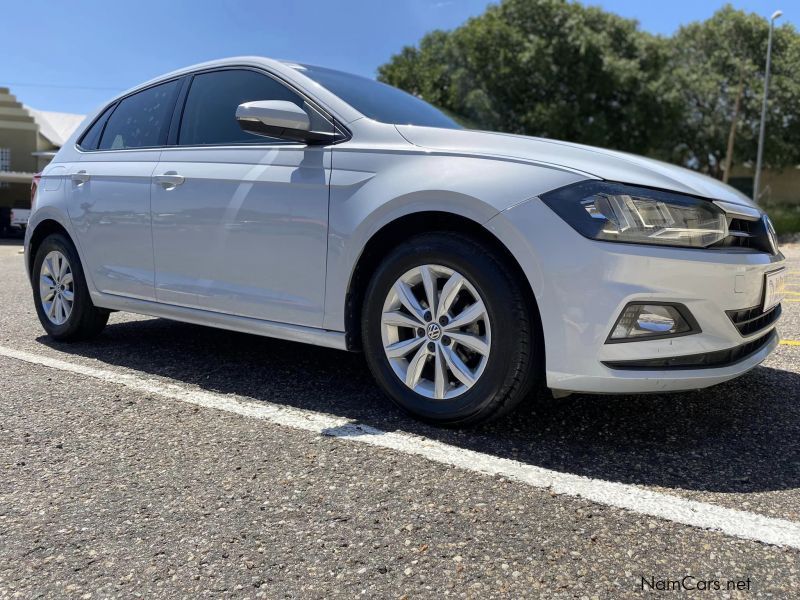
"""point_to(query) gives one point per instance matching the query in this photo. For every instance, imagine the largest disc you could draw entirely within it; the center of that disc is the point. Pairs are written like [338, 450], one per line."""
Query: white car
[19, 218]
[13, 220]
[470, 267]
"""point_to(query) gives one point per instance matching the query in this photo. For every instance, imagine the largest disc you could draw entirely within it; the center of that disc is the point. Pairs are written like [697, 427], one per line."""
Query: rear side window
[209, 116]
[141, 120]
[91, 139]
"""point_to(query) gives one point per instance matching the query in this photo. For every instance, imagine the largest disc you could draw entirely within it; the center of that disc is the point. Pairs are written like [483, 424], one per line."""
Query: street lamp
[757, 183]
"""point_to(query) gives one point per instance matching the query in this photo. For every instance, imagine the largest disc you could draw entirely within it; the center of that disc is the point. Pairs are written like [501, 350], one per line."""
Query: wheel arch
[39, 233]
[400, 229]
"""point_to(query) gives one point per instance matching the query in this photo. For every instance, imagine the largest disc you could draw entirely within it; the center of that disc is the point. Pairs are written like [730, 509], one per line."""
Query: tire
[62, 320]
[497, 351]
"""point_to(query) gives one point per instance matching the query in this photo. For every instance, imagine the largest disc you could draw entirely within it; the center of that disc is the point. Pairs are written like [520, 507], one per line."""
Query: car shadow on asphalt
[740, 436]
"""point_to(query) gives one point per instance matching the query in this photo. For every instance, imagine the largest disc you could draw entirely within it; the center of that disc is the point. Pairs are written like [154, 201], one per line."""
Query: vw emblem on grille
[772, 235]
[434, 331]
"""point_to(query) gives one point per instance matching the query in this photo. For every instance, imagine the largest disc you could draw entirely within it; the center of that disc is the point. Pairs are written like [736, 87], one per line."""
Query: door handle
[80, 177]
[169, 180]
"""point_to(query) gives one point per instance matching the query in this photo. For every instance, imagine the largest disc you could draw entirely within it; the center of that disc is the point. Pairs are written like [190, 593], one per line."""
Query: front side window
[141, 120]
[209, 116]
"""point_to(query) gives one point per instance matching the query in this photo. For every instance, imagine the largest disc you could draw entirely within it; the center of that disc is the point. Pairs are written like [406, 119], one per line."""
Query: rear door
[240, 222]
[110, 190]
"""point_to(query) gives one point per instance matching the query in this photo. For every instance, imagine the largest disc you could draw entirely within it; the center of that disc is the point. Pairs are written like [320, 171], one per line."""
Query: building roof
[56, 127]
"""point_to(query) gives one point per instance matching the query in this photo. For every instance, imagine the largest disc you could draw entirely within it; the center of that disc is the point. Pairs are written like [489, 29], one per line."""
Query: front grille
[743, 233]
[752, 320]
[707, 360]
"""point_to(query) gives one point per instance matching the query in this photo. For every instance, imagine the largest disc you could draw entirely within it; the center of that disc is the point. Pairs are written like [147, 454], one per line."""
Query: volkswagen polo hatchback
[471, 268]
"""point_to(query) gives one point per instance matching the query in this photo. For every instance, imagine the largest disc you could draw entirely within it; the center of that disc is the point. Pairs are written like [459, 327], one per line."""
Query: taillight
[34, 185]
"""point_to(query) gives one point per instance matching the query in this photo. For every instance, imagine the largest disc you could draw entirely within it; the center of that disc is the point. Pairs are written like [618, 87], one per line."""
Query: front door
[240, 222]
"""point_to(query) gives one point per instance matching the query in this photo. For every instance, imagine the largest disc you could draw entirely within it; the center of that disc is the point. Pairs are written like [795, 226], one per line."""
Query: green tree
[542, 67]
[559, 69]
[710, 65]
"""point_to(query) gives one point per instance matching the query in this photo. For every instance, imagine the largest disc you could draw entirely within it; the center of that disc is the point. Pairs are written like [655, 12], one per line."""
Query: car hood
[610, 165]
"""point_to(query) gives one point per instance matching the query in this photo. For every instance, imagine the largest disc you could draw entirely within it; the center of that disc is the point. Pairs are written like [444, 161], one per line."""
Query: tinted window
[377, 100]
[209, 116]
[91, 138]
[141, 120]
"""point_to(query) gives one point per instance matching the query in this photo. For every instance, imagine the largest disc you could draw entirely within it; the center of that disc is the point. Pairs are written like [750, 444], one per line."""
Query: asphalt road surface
[170, 460]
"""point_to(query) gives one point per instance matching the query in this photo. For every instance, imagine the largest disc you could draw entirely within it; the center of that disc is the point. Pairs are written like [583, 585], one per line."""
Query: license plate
[774, 288]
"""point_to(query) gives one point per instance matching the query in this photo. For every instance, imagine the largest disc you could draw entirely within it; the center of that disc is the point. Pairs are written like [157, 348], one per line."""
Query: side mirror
[279, 119]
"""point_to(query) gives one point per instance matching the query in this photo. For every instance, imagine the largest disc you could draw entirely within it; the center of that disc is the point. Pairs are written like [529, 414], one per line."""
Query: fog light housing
[652, 320]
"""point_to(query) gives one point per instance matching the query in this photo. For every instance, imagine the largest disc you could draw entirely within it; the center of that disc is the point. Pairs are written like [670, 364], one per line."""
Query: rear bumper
[581, 287]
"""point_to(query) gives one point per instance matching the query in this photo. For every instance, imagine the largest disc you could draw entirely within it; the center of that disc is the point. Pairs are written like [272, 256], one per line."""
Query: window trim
[180, 104]
[177, 110]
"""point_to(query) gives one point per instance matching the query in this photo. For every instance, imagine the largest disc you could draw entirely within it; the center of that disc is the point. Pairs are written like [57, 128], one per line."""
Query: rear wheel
[447, 332]
[62, 299]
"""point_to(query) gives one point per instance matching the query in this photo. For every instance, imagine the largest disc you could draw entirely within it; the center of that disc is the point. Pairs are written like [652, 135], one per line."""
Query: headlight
[615, 212]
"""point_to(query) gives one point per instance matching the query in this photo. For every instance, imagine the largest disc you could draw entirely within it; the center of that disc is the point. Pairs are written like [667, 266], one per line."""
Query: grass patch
[785, 218]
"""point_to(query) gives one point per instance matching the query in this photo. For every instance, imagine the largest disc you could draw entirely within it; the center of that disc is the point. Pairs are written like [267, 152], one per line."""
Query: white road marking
[629, 497]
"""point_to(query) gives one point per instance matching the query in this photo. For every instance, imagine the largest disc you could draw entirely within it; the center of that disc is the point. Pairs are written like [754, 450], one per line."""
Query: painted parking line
[633, 498]
[790, 342]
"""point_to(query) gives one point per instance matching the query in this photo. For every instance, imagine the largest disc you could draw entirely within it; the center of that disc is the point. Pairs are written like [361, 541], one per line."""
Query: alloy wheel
[436, 331]
[56, 287]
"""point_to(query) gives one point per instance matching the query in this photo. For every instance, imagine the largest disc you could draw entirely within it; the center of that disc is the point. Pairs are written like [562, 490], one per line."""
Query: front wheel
[60, 293]
[447, 332]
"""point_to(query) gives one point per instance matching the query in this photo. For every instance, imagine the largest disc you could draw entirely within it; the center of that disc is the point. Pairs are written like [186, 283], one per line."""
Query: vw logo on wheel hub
[434, 332]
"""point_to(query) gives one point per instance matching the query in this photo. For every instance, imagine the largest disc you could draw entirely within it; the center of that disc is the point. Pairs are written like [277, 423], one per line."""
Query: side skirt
[282, 331]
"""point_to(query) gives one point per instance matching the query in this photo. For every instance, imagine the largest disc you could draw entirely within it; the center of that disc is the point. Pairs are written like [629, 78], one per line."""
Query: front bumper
[582, 285]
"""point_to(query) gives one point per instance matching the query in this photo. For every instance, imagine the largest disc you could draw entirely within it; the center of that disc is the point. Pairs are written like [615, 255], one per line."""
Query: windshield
[377, 100]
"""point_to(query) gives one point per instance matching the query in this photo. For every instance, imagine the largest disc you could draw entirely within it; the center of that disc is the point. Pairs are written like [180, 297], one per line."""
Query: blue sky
[85, 51]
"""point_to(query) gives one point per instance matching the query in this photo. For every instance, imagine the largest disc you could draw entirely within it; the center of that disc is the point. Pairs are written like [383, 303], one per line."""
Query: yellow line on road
[790, 342]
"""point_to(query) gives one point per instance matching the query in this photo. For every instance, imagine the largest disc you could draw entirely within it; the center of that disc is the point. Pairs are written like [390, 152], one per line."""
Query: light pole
[760, 154]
